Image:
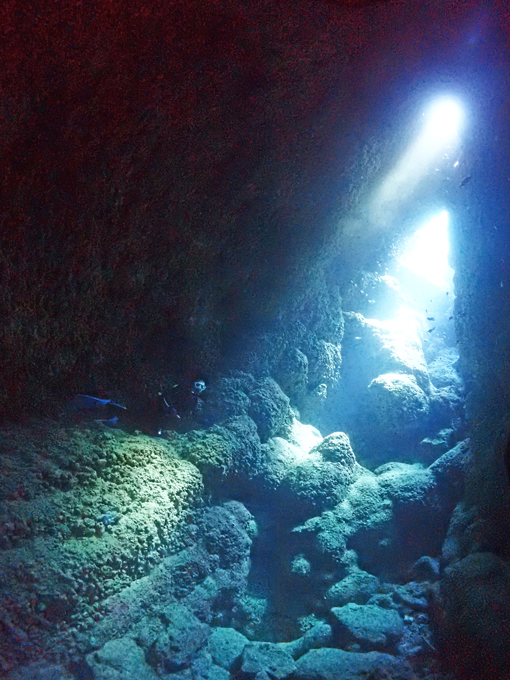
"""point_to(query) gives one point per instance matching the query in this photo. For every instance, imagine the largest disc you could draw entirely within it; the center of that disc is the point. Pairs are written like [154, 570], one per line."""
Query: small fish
[450, 318]
[430, 318]
[84, 401]
[465, 181]
[431, 329]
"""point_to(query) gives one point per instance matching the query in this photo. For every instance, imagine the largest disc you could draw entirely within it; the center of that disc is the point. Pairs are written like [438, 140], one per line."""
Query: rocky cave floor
[249, 548]
[246, 545]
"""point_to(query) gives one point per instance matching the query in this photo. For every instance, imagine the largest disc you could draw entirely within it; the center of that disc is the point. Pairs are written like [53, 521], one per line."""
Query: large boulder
[398, 403]
[297, 484]
[224, 536]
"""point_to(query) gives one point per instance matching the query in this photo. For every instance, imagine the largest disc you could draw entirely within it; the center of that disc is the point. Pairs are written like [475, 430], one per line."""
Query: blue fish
[84, 401]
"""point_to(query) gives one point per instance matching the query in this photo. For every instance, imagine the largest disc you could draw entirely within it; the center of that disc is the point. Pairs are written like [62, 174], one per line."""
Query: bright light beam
[441, 130]
[427, 252]
[443, 121]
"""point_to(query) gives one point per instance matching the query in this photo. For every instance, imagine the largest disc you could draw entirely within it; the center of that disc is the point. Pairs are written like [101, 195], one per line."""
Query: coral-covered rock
[224, 536]
[324, 363]
[225, 454]
[226, 398]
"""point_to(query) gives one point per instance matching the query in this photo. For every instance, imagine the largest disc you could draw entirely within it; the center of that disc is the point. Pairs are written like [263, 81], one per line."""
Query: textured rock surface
[367, 626]
[357, 587]
[336, 664]
[336, 448]
[475, 600]
[226, 646]
[119, 660]
[263, 657]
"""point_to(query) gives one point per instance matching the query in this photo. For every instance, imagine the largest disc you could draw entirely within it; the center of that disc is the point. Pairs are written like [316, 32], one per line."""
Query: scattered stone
[120, 659]
[226, 646]
[41, 671]
[337, 664]
[357, 587]
[413, 595]
[181, 641]
[425, 569]
[368, 626]
[320, 635]
[266, 657]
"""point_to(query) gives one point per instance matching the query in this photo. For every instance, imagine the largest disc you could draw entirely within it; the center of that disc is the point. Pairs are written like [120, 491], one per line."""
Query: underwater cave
[255, 340]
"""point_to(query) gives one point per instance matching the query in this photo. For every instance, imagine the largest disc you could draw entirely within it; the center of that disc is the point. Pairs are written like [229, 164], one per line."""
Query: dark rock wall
[481, 251]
